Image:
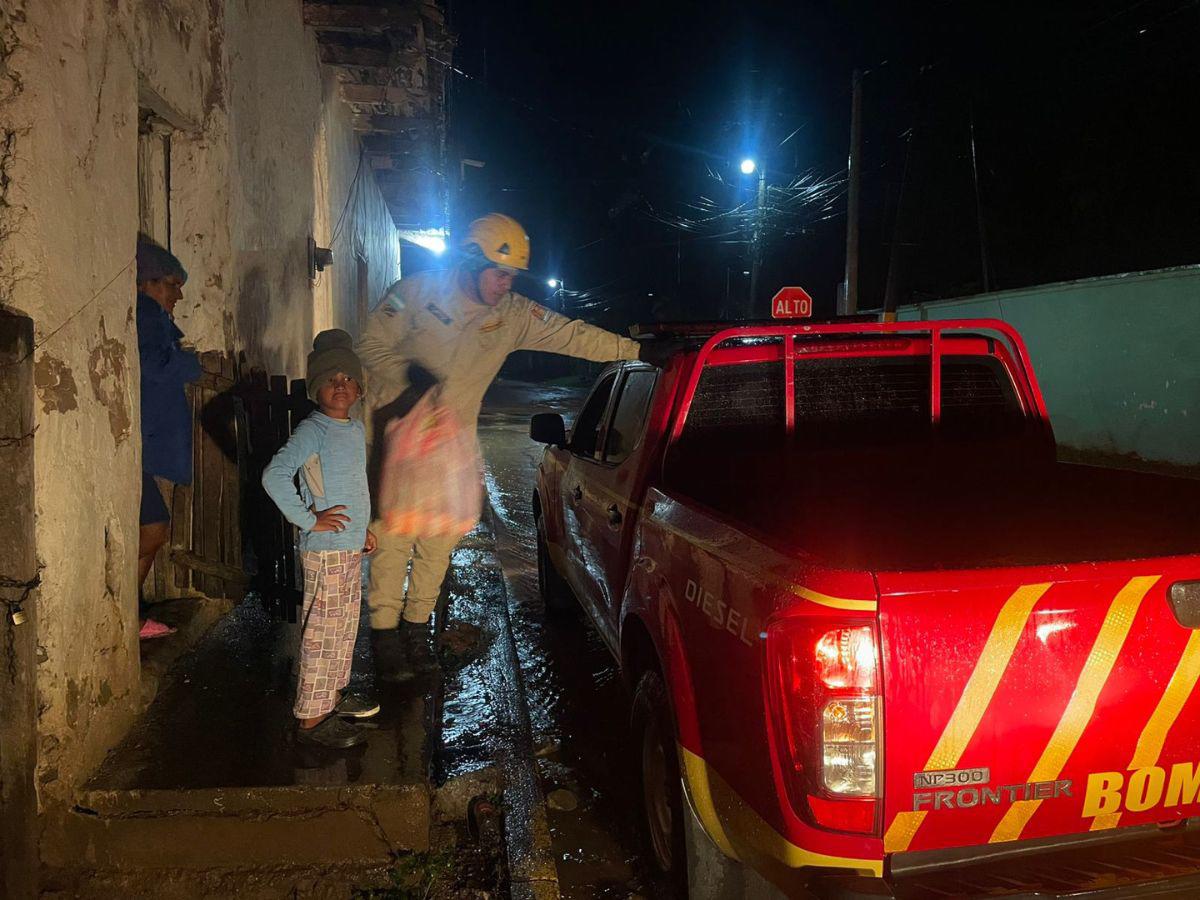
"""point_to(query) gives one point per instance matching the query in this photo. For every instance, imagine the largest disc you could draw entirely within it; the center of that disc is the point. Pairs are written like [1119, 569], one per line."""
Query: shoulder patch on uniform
[539, 312]
[438, 313]
[392, 302]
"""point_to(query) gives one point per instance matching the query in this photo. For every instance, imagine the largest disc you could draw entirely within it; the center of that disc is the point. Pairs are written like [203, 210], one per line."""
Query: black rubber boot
[391, 656]
[418, 649]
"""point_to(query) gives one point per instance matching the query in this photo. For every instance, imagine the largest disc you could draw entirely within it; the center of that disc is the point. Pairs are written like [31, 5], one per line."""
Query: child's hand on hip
[332, 519]
[371, 543]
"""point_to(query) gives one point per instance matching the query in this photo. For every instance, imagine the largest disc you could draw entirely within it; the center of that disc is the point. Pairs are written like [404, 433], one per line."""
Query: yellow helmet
[501, 240]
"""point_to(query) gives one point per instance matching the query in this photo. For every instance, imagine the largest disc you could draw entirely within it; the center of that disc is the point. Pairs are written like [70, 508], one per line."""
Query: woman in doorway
[166, 418]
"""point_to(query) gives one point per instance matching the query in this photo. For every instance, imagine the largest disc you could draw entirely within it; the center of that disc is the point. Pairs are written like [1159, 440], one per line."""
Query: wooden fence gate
[227, 537]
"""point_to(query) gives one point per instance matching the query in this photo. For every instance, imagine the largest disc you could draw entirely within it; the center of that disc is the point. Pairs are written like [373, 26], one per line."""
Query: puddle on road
[577, 705]
[471, 732]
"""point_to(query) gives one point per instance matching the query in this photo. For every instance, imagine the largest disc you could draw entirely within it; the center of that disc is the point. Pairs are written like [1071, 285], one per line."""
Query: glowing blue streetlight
[749, 166]
[553, 283]
[432, 239]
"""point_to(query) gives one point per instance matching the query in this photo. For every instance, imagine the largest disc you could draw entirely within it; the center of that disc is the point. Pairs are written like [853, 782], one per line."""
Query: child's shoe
[353, 706]
[332, 732]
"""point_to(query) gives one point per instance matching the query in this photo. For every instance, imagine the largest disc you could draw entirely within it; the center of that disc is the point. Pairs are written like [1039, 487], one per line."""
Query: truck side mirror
[548, 428]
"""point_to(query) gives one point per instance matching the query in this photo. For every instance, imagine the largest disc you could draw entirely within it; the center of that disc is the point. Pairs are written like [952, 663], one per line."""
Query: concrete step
[299, 825]
[316, 882]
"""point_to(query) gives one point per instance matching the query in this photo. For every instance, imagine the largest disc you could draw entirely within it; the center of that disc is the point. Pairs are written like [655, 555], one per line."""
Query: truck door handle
[1184, 597]
[614, 515]
[577, 493]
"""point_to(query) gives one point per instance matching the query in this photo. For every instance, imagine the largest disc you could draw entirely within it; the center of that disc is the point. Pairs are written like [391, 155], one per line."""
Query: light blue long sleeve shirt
[331, 457]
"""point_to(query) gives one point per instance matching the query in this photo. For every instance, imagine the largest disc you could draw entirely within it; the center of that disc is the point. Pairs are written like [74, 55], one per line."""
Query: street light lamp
[559, 288]
[748, 166]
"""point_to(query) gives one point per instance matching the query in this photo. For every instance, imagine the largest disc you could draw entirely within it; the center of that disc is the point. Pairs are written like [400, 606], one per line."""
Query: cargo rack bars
[788, 331]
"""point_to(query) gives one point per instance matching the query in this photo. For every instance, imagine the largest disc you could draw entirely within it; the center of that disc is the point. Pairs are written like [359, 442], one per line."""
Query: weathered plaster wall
[253, 116]
[367, 229]
[275, 94]
[68, 247]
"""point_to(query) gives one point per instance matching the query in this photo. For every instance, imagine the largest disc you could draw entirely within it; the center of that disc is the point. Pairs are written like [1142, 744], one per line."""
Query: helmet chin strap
[472, 271]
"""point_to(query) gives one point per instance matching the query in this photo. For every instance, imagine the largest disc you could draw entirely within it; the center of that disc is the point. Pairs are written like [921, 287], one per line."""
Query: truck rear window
[856, 400]
[746, 396]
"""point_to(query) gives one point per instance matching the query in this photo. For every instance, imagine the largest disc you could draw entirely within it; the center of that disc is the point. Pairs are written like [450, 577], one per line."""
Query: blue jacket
[331, 457]
[166, 415]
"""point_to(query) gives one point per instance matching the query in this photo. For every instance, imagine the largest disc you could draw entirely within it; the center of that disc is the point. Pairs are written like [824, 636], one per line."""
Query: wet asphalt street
[577, 706]
[224, 718]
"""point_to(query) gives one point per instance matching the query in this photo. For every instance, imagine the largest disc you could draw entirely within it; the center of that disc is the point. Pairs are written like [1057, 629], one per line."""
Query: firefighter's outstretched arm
[379, 346]
[545, 330]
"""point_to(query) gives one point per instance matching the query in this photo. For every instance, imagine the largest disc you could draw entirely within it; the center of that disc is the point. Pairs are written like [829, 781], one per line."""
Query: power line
[350, 195]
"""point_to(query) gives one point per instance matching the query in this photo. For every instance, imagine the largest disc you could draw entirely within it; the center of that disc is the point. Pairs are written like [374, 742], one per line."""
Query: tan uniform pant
[387, 598]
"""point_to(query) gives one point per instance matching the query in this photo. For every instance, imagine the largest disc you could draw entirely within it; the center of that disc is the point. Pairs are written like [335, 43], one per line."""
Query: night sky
[614, 132]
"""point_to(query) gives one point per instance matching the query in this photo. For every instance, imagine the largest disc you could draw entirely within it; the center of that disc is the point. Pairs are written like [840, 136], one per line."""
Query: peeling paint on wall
[55, 384]
[107, 369]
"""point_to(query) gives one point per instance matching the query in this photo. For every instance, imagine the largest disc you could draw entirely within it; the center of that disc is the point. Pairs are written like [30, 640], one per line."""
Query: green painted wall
[1118, 358]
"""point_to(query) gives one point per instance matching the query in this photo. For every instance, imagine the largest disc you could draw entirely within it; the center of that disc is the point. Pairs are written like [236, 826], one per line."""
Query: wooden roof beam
[392, 144]
[351, 55]
[356, 17]
[392, 94]
[378, 124]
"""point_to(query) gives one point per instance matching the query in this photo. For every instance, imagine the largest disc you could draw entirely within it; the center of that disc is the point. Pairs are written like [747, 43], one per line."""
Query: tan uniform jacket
[427, 320]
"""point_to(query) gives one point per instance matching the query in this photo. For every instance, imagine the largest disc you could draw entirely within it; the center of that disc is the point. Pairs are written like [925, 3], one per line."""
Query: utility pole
[756, 244]
[849, 301]
[899, 247]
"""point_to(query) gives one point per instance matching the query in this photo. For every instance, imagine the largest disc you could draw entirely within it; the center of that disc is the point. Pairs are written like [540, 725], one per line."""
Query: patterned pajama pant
[332, 597]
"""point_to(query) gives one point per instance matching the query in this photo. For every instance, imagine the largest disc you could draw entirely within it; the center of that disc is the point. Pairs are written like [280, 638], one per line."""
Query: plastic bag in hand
[430, 481]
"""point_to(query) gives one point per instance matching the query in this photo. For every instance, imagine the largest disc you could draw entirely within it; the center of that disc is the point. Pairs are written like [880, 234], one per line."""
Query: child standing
[328, 449]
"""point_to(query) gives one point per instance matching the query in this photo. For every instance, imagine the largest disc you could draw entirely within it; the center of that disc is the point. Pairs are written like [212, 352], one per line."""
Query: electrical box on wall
[319, 258]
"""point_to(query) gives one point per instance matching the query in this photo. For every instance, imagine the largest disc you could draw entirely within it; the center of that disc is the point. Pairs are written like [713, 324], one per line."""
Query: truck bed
[921, 511]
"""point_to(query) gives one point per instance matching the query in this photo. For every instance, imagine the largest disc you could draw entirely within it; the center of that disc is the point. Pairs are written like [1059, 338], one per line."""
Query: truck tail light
[824, 692]
[846, 658]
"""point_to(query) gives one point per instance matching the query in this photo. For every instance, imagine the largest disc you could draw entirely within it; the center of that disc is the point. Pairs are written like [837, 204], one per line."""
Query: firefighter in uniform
[453, 328]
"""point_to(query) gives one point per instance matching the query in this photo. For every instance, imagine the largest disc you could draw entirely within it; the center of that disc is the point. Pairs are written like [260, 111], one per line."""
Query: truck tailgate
[1031, 702]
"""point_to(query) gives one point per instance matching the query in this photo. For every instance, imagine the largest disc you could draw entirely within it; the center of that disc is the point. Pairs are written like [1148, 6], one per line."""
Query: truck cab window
[630, 416]
[978, 399]
[862, 400]
[585, 436]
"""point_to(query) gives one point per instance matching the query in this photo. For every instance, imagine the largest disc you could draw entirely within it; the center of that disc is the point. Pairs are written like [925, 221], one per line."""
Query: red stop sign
[791, 303]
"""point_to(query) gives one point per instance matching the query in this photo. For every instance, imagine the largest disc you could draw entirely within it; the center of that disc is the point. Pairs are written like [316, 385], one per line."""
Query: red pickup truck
[879, 641]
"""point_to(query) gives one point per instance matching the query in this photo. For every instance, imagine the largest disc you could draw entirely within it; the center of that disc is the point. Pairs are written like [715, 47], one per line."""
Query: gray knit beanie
[333, 352]
[155, 262]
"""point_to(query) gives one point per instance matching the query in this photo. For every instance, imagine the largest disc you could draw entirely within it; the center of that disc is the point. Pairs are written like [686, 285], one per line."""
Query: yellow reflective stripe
[1170, 705]
[1179, 688]
[1118, 621]
[835, 602]
[695, 774]
[709, 790]
[976, 696]
[900, 833]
